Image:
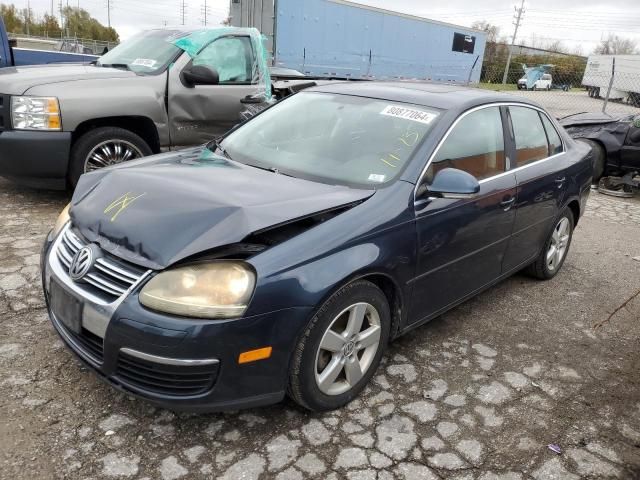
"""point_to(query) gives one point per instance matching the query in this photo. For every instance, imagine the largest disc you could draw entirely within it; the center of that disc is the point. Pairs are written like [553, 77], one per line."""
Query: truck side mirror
[199, 75]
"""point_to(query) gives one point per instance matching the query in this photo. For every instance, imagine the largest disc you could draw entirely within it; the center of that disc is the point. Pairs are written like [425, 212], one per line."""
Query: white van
[543, 83]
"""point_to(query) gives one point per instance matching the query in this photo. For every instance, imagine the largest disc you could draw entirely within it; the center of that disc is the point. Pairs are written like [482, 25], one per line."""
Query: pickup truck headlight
[35, 113]
[220, 289]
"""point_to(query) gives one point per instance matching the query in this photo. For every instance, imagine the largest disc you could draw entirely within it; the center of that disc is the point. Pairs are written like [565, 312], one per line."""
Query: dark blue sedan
[282, 259]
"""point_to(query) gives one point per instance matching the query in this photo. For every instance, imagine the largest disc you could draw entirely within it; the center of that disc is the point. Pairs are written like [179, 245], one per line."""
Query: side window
[231, 57]
[555, 144]
[475, 145]
[531, 140]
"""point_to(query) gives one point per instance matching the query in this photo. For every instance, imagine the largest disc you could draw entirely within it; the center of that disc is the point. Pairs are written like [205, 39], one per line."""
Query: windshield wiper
[122, 66]
[270, 169]
[216, 146]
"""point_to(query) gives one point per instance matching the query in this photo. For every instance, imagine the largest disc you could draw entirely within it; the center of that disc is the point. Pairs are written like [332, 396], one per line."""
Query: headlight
[62, 220]
[219, 289]
[35, 113]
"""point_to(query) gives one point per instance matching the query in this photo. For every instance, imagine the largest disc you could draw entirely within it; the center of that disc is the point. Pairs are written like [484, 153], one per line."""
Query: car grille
[165, 379]
[91, 343]
[110, 276]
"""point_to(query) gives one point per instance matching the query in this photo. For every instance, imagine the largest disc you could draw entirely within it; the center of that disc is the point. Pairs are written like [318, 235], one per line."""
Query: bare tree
[615, 45]
[493, 31]
[556, 46]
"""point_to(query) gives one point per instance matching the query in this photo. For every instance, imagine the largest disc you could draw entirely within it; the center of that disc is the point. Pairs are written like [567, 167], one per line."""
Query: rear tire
[323, 373]
[599, 158]
[556, 248]
[130, 145]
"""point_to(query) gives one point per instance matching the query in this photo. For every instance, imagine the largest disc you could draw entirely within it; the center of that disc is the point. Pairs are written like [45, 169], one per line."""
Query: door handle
[561, 180]
[507, 204]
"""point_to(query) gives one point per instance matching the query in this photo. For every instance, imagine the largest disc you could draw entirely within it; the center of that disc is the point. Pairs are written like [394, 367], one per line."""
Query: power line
[520, 12]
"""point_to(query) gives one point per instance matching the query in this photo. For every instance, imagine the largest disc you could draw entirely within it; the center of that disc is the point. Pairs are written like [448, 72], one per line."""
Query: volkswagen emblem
[81, 263]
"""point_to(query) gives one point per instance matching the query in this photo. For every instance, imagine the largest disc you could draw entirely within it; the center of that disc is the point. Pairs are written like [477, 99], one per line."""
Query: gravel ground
[476, 394]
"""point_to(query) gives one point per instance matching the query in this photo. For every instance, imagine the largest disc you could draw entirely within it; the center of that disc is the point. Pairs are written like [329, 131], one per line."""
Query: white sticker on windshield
[409, 114]
[144, 62]
[376, 177]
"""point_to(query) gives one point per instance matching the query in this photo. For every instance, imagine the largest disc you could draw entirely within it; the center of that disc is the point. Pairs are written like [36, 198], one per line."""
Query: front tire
[556, 248]
[341, 348]
[103, 147]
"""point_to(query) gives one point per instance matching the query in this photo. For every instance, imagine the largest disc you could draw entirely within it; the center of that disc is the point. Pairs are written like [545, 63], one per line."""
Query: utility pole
[109, 13]
[206, 10]
[517, 19]
[28, 15]
[183, 9]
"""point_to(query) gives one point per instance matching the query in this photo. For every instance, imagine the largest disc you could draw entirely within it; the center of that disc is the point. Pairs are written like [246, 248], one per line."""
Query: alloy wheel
[559, 243]
[347, 348]
[110, 152]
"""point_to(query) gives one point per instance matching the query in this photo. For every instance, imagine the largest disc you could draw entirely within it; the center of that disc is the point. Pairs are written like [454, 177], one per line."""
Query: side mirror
[252, 99]
[200, 75]
[452, 183]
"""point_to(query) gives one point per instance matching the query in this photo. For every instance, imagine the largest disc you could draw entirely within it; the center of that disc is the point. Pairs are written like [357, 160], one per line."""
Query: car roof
[436, 95]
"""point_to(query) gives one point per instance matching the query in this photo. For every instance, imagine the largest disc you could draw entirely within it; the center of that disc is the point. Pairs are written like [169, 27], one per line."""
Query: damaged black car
[282, 259]
[614, 139]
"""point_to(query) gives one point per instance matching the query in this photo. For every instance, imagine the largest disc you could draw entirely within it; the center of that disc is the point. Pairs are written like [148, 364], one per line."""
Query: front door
[200, 113]
[539, 166]
[461, 242]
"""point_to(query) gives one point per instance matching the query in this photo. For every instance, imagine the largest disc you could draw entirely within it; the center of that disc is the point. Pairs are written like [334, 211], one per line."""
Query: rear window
[555, 143]
[531, 139]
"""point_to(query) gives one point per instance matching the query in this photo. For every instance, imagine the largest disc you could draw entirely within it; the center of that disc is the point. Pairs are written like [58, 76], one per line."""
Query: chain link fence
[63, 44]
[610, 90]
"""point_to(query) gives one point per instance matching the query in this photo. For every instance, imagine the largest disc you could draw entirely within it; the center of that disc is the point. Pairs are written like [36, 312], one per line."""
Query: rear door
[462, 242]
[539, 164]
[202, 112]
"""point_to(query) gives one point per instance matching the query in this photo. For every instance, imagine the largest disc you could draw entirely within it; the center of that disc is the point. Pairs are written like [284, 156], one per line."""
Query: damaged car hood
[159, 210]
[17, 80]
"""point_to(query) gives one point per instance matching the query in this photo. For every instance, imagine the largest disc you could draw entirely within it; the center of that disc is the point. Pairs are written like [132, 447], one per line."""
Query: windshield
[337, 139]
[147, 52]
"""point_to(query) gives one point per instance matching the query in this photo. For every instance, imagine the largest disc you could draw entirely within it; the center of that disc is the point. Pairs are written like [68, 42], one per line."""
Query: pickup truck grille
[5, 111]
[110, 276]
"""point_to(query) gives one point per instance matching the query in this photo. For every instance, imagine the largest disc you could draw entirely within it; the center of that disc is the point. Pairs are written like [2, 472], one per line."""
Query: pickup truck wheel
[103, 147]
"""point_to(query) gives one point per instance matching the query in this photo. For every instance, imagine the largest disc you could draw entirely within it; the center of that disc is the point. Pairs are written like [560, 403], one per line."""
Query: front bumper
[178, 363]
[38, 159]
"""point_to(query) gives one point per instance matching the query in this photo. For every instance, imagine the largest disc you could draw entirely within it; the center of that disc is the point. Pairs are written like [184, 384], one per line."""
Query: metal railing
[62, 43]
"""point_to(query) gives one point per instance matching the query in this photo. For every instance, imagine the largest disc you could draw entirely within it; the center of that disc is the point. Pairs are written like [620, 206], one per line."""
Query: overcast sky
[575, 22]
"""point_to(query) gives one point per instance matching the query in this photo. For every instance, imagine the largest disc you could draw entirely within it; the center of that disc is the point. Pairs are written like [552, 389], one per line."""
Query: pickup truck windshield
[148, 52]
[336, 139]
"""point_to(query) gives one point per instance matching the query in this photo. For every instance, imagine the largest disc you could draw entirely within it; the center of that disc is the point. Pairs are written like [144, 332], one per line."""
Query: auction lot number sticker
[409, 114]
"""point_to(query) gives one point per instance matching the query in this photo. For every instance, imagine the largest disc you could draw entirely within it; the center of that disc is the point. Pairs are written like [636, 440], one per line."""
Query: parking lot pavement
[561, 104]
[476, 394]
